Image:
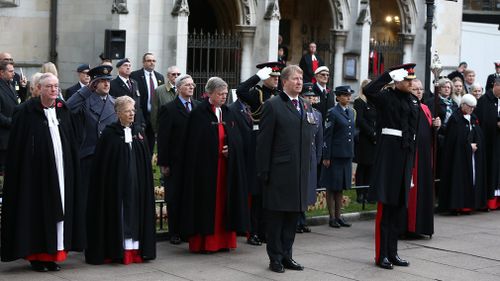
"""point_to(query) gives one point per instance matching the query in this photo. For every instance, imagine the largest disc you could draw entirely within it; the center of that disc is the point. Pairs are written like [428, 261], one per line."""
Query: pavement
[465, 247]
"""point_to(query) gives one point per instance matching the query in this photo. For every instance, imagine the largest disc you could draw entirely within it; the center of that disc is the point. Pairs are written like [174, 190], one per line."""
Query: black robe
[457, 190]
[200, 178]
[487, 113]
[31, 195]
[419, 216]
[120, 175]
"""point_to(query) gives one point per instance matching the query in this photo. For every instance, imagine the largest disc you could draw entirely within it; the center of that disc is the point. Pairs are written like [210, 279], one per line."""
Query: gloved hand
[398, 74]
[264, 73]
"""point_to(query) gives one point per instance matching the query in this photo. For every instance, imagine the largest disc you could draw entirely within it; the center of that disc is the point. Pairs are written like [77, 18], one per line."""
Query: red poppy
[59, 104]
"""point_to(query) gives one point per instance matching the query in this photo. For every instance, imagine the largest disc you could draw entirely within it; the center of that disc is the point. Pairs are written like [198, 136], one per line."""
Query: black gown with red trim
[214, 192]
[418, 218]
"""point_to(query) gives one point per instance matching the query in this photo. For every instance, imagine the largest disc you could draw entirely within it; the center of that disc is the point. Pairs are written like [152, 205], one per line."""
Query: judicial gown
[121, 203]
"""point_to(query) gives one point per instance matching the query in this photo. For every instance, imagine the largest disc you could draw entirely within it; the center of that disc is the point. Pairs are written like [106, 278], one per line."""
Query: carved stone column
[247, 33]
[407, 47]
[180, 14]
[339, 37]
[266, 37]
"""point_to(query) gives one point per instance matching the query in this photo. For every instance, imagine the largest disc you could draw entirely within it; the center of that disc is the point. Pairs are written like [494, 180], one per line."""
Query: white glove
[398, 74]
[264, 73]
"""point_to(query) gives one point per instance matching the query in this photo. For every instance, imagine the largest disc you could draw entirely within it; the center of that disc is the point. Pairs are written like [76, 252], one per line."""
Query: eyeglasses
[8, 59]
[324, 74]
[175, 73]
[52, 86]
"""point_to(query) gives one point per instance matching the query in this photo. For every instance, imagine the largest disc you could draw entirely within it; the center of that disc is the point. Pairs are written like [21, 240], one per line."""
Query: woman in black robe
[214, 204]
[463, 173]
[121, 214]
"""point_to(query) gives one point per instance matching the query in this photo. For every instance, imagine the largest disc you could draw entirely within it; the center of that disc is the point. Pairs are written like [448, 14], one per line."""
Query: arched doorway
[214, 49]
[386, 48]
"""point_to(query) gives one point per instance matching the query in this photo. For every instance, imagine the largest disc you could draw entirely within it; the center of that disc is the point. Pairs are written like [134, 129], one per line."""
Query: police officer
[251, 97]
[391, 177]
[94, 109]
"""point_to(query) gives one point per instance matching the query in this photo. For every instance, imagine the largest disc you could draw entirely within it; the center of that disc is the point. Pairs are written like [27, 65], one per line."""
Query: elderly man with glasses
[326, 96]
[164, 94]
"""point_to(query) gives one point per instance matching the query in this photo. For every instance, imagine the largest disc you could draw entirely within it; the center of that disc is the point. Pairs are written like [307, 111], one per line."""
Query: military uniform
[397, 113]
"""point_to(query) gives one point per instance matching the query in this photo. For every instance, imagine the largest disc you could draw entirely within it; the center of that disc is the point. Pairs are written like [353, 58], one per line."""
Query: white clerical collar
[51, 115]
[128, 134]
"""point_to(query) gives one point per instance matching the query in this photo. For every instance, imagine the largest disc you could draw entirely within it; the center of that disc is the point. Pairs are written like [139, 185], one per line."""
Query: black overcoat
[200, 174]
[394, 155]
[118, 88]
[366, 120]
[486, 112]
[283, 154]
[31, 196]
[110, 184]
[457, 190]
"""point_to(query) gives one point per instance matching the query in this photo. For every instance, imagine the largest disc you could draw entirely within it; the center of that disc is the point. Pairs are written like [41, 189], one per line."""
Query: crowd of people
[79, 176]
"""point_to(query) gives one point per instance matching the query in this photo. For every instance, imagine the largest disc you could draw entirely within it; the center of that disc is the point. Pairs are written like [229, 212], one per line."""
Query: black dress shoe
[396, 260]
[291, 264]
[175, 239]
[343, 223]
[52, 266]
[299, 229]
[306, 228]
[334, 223]
[254, 240]
[385, 263]
[276, 266]
[38, 266]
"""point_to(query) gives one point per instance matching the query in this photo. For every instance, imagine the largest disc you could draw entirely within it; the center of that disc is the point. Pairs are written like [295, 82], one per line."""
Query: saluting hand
[326, 163]
[225, 151]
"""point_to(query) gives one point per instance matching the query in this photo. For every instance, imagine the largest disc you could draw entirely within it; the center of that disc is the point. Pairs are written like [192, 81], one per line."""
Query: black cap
[82, 67]
[343, 90]
[276, 66]
[121, 62]
[307, 90]
[104, 58]
[101, 72]
[409, 67]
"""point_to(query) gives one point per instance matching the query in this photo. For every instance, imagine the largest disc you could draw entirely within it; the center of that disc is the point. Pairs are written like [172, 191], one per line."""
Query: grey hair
[46, 76]
[179, 80]
[215, 83]
[289, 70]
[475, 86]
[122, 101]
[444, 81]
[170, 68]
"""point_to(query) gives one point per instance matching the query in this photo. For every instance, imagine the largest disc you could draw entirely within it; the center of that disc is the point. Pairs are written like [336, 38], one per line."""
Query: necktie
[296, 104]
[346, 112]
[187, 106]
[151, 85]
[129, 85]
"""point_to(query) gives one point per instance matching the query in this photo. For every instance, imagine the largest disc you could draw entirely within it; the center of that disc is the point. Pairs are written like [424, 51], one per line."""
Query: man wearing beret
[83, 80]
[491, 78]
[251, 99]
[93, 108]
[123, 85]
[390, 183]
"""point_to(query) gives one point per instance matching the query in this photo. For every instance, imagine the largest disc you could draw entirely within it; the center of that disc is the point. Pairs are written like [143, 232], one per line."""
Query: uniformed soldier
[253, 97]
[390, 184]
[94, 110]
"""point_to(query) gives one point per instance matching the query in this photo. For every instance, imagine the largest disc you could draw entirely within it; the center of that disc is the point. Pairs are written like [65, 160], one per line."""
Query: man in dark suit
[326, 96]
[253, 96]
[123, 85]
[147, 80]
[491, 78]
[173, 120]
[83, 80]
[93, 109]
[462, 66]
[283, 155]
[19, 82]
[310, 62]
[8, 101]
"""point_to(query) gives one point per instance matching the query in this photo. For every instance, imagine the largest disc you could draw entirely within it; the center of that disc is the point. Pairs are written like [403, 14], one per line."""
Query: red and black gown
[419, 216]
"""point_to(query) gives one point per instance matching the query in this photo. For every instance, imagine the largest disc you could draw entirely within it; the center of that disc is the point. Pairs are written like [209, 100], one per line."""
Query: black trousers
[172, 197]
[257, 222]
[387, 230]
[280, 234]
[150, 135]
